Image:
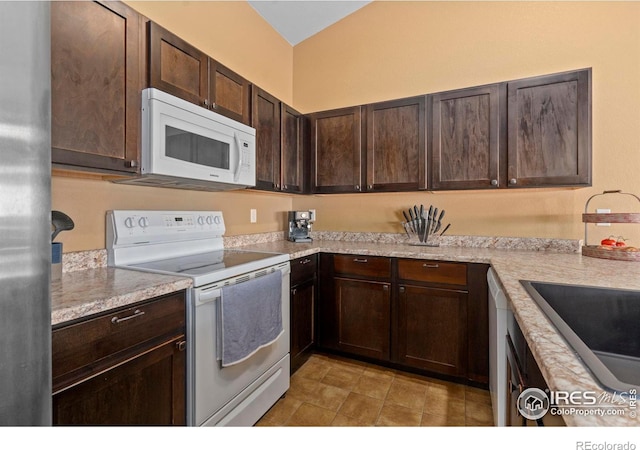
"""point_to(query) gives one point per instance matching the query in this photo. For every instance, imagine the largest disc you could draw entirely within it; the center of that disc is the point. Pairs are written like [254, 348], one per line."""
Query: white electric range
[190, 243]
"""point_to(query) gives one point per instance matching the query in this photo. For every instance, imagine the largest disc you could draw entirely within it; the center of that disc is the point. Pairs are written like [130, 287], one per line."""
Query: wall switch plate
[603, 211]
[254, 215]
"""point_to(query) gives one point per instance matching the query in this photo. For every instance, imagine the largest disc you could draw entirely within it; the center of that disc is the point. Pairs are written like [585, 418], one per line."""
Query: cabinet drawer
[366, 266]
[93, 344]
[303, 269]
[432, 271]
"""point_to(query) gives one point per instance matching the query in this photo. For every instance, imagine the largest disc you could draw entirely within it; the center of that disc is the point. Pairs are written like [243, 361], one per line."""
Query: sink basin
[601, 324]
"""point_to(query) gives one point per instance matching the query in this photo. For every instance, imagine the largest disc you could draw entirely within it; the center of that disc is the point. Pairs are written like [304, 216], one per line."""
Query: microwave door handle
[237, 174]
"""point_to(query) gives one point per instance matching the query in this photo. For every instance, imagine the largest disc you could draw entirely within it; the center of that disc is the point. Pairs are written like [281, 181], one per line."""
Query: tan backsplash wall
[87, 201]
[395, 49]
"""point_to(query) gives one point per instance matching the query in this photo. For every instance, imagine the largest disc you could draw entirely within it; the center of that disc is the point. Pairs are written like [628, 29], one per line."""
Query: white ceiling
[296, 20]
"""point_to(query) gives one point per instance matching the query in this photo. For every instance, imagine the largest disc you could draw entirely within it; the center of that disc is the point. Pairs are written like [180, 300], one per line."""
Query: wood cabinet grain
[549, 130]
[180, 69]
[395, 150]
[96, 79]
[336, 151]
[464, 149]
[304, 288]
[123, 367]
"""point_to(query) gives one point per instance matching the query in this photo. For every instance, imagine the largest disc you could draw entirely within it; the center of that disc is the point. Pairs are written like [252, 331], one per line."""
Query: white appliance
[189, 243]
[498, 309]
[187, 146]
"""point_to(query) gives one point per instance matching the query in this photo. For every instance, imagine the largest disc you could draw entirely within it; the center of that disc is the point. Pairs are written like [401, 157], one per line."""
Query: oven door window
[196, 149]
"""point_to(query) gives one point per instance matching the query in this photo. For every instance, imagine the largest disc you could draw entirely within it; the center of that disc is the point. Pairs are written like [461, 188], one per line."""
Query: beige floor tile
[280, 413]
[362, 408]
[444, 405]
[432, 420]
[373, 385]
[345, 421]
[303, 388]
[477, 395]
[308, 415]
[398, 416]
[313, 369]
[407, 393]
[478, 414]
[342, 377]
[328, 397]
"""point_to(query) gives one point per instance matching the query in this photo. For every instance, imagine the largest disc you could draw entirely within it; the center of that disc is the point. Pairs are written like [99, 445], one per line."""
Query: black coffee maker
[300, 226]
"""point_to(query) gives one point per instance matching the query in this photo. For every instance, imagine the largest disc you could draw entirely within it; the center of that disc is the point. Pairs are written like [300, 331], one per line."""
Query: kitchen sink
[601, 324]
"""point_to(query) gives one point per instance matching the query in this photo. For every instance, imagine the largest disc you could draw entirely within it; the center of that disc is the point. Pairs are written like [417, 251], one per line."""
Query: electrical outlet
[312, 215]
[254, 215]
[603, 211]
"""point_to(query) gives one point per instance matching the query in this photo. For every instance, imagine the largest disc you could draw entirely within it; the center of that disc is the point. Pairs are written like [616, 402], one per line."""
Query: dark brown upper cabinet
[265, 118]
[96, 79]
[293, 155]
[549, 130]
[374, 148]
[336, 150]
[177, 67]
[395, 145]
[464, 146]
[279, 144]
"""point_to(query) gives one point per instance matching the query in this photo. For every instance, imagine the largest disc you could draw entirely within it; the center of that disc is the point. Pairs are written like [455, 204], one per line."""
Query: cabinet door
[228, 92]
[146, 390]
[266, 120]
[464, 143]
[549, 130]
[177, 67]
[478, 324]
[95, 85]
[363, 317]
[336, 162]
[396, 145]
[303, 304]
[432, 329]
[293, 154]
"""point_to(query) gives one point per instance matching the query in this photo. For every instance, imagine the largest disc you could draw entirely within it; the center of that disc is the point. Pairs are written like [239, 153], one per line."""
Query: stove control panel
[131, 227]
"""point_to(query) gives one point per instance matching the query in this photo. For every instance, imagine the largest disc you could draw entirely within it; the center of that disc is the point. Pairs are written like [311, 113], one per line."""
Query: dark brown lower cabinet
[126, 366]
[432, 329]
[149, 389]
[364, 316]
[422, 315]
[303, 295]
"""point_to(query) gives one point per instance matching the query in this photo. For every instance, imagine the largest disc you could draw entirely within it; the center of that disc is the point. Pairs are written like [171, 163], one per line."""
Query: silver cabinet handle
[358, 260]
[430, 266]
[385, 287]
[181, 346]
[513, 181]
[305, 261]
[131, 163]
[370, 186]
[494, 182]
[357, 187]
[402, 289]
[294, 291]
[136, 313]
[205, 103]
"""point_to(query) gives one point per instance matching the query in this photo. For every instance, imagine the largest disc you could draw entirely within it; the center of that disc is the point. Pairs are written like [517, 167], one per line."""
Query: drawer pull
[136, 313]
[358, 260]
[181, 346]
[305, 261]
[430, 266]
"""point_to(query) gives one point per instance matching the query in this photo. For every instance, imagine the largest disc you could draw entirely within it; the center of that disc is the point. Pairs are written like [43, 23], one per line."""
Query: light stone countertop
[84, 292]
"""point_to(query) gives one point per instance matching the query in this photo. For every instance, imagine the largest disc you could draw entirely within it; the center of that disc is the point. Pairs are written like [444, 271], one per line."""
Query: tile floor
[333, 391]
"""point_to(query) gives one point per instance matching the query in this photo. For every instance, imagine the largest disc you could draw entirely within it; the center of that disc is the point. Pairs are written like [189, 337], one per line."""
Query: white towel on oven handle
[250, 317]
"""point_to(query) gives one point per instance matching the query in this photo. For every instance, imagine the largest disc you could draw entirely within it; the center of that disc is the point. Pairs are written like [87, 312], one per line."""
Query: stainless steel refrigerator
[25, 210]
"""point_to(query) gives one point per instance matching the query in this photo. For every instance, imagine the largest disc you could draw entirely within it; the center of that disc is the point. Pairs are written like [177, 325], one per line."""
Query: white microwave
[187, 146]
